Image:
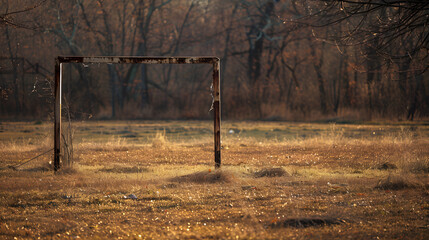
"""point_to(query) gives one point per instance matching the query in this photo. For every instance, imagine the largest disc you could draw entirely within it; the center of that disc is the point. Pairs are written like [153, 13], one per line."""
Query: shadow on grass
[118, 169]
[305, 222]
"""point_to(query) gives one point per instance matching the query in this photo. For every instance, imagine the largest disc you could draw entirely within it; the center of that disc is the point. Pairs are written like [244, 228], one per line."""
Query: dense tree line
[291, 60]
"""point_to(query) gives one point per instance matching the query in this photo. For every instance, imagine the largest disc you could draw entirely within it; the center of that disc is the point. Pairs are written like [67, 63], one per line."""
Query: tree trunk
[347, 86]
[255, 37]
[317, 64]
[16, 92]
[412, 106]
[224, 61]
[404, 68]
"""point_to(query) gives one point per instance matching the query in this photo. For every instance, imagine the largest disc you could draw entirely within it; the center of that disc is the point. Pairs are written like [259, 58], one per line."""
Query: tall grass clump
[404, 137]
[160, 140]
[334, 135]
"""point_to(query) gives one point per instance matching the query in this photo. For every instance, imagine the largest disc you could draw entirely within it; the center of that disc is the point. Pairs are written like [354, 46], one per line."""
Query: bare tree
[15, 18]
[388, 32]
[378, 25]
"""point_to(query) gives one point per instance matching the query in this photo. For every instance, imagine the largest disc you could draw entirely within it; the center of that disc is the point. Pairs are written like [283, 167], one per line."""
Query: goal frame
[216, 106]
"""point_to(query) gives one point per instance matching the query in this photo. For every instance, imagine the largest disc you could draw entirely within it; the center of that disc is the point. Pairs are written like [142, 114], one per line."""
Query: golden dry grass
[331, 187]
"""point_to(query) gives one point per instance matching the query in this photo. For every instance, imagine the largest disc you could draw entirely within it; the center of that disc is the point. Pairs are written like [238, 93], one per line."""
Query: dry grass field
[156, 180]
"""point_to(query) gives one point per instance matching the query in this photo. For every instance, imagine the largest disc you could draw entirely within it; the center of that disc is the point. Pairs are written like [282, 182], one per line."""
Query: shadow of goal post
[216, 106]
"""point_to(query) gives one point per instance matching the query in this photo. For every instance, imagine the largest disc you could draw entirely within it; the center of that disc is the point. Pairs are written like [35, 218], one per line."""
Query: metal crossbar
[60, 60]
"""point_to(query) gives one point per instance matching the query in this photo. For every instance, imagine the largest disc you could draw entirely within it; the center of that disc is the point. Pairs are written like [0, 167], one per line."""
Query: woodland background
[281, 59]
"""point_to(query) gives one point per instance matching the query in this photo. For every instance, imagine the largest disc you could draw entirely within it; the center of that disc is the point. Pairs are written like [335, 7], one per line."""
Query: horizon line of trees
[280, 60]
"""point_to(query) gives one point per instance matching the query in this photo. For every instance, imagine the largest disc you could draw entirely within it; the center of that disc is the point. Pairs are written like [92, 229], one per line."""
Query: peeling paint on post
[143, 60]
[135, 60]
[57, 114]
[217, 111]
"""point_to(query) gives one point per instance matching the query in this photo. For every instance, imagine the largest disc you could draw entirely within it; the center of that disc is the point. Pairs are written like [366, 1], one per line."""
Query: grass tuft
[160, 140]
[218, 176]
[386, 166]
[396, 182]
[271, 172]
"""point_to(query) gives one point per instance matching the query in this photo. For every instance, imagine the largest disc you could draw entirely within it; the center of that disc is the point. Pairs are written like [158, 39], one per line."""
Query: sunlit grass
[372, 178]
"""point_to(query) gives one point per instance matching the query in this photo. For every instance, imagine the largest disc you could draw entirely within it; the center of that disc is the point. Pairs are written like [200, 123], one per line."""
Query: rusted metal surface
[144, 60]
[57, 113]
[215, 61]
[216, 109]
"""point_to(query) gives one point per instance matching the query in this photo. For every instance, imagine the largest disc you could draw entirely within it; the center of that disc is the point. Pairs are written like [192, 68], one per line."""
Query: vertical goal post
[216, 106]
